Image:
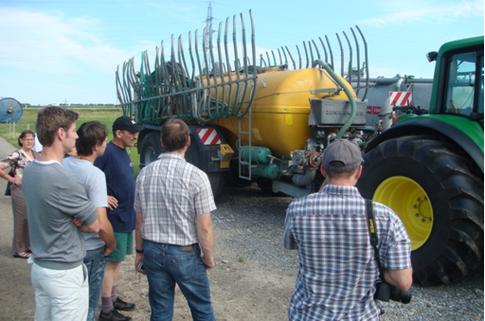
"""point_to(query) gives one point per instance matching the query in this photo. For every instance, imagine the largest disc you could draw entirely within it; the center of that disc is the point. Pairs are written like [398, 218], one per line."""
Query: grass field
[105, 116]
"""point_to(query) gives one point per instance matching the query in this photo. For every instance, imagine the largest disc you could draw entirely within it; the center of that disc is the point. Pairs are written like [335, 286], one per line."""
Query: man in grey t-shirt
[91, 144]
[54, 200]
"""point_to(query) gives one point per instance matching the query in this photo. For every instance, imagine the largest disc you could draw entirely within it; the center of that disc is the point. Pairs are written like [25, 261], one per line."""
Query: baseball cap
[342, 155]
[126, 123]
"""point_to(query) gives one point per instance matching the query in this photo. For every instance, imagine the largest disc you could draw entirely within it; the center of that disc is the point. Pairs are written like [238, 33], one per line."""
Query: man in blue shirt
[118, 168]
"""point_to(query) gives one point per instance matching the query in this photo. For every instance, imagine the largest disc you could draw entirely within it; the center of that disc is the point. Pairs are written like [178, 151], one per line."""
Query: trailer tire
[218, 181]
[266, 186]
[150, 148]
[438, 194]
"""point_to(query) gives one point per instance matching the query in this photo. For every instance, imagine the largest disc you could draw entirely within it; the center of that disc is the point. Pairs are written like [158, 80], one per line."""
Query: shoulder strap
[13, 163]
[371, 225]
[17, 153]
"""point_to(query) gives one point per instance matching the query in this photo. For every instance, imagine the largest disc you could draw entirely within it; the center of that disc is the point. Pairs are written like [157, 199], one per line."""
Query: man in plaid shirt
[174, 234]
[337, 270]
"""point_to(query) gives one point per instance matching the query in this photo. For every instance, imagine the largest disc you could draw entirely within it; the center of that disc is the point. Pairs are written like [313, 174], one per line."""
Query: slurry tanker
[267, 117]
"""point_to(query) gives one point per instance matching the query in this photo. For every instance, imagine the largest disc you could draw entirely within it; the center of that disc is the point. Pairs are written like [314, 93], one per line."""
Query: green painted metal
[468, 126]
[258, 154]
[271, 171]
[444, 50]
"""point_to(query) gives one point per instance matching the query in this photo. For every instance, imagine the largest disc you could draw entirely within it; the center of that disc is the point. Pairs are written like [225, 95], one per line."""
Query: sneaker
[123, 306]
[113, 316]
[22, 255]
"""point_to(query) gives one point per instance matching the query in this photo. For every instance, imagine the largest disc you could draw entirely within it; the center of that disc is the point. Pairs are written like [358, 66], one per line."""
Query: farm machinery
[268, 117]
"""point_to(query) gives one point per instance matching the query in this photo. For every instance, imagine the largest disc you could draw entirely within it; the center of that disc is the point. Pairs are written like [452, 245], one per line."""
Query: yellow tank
[281, 107]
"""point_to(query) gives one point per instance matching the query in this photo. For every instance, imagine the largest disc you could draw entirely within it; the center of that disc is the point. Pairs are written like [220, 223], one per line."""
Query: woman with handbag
[11, 169]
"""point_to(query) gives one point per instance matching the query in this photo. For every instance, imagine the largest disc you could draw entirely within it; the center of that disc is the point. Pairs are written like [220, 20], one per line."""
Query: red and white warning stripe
[208, 136]
[400, 98]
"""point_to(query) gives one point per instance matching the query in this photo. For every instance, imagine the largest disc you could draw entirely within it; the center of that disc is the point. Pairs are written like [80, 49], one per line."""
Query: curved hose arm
[336, 79]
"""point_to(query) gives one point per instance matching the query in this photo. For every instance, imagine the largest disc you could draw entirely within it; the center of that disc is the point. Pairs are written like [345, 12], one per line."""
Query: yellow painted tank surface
[281, 108]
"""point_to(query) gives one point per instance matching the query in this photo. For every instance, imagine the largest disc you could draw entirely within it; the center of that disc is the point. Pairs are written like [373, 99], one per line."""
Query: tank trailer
[266, 117]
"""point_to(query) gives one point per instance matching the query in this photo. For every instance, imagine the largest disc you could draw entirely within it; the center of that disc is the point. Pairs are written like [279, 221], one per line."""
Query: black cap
[126, 123]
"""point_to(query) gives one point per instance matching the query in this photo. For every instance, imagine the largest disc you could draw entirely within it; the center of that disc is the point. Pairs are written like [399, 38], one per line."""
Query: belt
[186, 248]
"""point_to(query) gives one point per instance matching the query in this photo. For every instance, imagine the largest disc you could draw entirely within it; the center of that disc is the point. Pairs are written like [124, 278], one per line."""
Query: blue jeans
[166, 265]
[95, 262]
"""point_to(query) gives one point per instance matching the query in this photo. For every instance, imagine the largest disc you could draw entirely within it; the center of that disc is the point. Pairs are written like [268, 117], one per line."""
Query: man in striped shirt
[337, 271]
[174, 235]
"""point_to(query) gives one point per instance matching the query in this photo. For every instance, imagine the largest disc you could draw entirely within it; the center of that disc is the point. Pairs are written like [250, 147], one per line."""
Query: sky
[67, 51]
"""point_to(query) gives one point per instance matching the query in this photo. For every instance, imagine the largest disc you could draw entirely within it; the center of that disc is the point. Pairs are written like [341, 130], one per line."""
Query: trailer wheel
[218, 181]
[438, 195]
[150, 148]
[265, 185]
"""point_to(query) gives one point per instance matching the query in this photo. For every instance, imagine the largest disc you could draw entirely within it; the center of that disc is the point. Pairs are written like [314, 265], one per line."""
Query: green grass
[105, 116]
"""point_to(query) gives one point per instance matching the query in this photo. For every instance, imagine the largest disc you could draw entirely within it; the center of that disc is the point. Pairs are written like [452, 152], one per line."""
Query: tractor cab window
[464, 91]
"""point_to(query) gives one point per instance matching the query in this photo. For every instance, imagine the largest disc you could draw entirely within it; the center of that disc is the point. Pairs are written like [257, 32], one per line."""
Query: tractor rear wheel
[438, 195]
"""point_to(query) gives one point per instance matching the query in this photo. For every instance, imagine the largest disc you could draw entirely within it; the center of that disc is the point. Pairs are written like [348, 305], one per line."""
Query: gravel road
[254, 276]
[251, 225]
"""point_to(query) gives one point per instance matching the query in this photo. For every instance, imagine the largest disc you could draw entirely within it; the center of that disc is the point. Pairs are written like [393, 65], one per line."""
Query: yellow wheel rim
[411, 203]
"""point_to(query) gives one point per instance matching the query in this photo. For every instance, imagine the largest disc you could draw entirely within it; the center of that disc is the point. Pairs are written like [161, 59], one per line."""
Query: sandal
[22, 255]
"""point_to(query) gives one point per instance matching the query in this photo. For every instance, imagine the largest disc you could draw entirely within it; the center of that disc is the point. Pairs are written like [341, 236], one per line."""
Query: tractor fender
[432, 127]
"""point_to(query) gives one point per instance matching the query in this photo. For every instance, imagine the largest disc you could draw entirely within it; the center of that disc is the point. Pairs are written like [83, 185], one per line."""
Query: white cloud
[51, 43]
[414, 11]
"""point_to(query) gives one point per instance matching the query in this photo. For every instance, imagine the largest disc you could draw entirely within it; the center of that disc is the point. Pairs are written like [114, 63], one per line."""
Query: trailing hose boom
[195, 85]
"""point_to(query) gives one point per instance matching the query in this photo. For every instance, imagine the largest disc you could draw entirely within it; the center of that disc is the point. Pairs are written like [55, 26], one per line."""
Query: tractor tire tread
[459, 185]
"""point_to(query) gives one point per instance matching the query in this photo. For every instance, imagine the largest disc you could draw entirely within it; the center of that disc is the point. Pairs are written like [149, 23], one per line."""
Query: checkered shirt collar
[340, 190]
[170, 156]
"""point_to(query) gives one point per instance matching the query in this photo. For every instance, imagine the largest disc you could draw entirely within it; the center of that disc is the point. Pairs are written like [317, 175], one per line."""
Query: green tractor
[428, 168]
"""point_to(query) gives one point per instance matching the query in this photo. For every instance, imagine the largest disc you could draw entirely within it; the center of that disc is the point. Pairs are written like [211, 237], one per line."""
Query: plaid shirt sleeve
[137, 193]
[289, 240]
[396, 248]
[204, 200]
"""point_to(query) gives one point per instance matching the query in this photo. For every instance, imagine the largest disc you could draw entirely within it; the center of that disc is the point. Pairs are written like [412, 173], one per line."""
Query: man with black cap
[118, 168]
[338, 272]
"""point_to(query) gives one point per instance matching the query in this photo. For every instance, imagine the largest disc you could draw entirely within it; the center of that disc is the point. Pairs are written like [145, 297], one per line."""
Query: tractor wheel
[438, 195]
[150, 148]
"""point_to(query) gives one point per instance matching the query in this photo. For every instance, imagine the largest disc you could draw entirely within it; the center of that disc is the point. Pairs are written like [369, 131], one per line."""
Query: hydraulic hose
[347, 92]
[304, 179]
